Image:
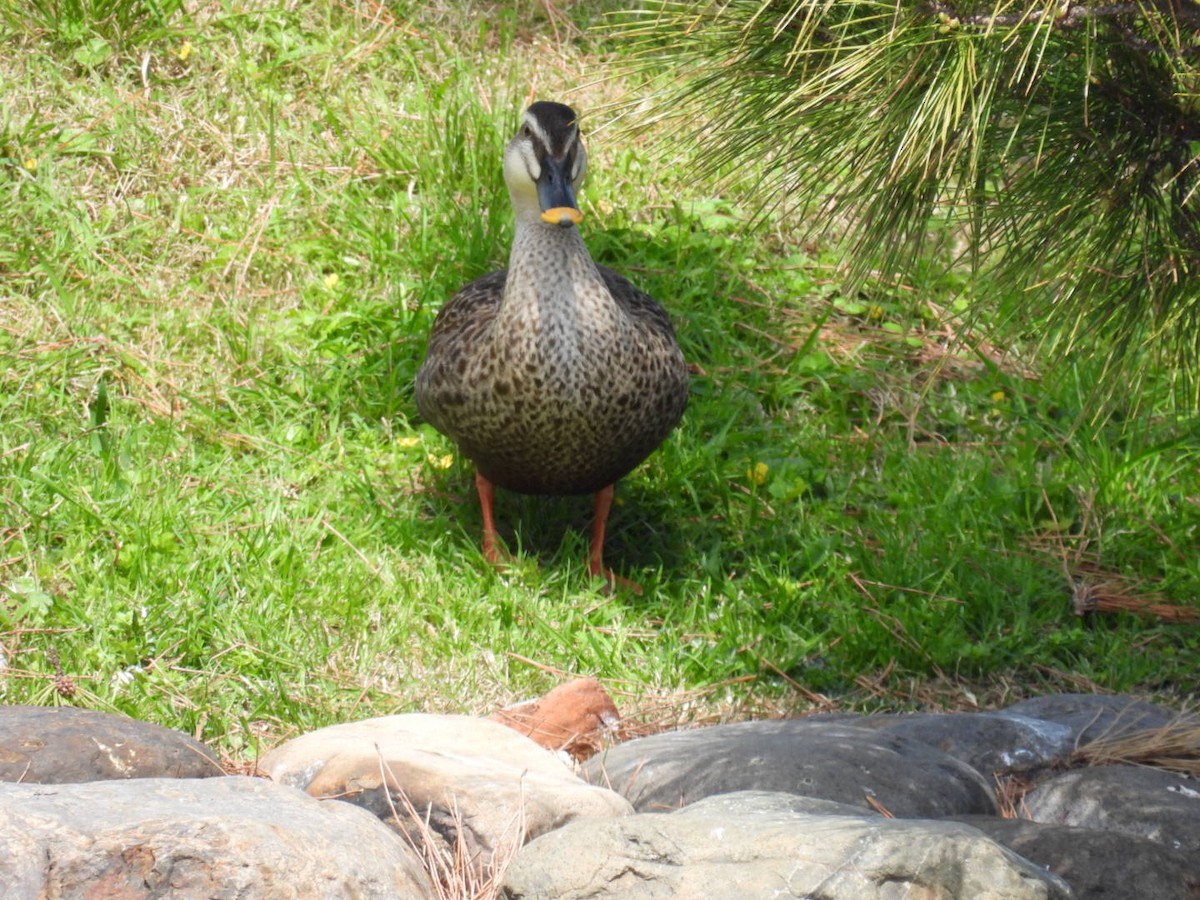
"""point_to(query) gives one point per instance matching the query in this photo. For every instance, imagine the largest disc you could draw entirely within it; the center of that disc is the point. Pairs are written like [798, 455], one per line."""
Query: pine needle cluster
[1059, 143]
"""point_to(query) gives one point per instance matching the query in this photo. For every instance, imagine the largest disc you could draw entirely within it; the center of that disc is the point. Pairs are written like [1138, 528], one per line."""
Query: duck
[556, 376]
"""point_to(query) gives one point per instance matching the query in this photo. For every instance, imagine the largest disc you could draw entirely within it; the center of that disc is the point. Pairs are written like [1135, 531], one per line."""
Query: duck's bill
[562, 215]
[556, 194]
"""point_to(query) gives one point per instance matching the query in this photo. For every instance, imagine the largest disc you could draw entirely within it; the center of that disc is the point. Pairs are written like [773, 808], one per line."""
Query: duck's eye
[526, 131]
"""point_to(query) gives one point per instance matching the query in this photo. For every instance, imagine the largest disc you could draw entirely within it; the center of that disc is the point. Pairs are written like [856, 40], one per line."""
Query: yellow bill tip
[562, 215]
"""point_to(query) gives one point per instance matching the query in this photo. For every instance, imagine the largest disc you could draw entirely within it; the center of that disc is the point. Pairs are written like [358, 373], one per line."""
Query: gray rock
[723, 847]
[758, 802]
[1093, 716]
[60, 745]
[987, 742]
[1149, 803]
[1099, 865]
[478, 784]
[196, 839]
[829, 759]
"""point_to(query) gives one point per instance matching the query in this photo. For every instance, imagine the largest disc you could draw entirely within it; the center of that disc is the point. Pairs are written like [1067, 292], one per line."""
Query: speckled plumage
[555, 376]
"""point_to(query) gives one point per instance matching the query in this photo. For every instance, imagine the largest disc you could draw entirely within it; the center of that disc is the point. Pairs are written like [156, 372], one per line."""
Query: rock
[776, 801]
[195, 839]
[1149, 803]
[1093, 716]
[987, 742]
[481, 786]
[572, 718]
[725, 847]
[59, 745]
[830, 760]
[1099, 865]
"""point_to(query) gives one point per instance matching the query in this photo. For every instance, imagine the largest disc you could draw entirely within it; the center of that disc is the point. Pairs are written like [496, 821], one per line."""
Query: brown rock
[63, 745]
[572, 717]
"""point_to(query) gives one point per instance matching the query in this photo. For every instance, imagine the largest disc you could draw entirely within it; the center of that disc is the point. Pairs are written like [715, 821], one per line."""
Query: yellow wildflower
[998, 396]
[408, 442]
[331, 280]
[184, 51]
[441, 462]
[757, 474]
[30, 164]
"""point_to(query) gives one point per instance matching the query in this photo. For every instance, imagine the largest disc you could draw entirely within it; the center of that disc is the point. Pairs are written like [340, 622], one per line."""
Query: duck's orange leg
[492, 550]
[602, 504]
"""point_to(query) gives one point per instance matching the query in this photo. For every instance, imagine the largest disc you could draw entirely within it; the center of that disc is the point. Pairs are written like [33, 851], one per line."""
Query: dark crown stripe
[555, 126]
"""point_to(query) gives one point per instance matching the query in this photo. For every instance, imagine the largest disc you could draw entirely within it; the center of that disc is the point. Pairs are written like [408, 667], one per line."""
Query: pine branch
[1060, 144]
[1069, 15]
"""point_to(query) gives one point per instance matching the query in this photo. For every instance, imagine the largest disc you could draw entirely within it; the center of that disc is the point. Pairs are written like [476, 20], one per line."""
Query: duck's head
[544, 164]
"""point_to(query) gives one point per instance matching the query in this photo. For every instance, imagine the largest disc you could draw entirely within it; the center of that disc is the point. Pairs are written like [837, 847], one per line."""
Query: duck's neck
[552, 279]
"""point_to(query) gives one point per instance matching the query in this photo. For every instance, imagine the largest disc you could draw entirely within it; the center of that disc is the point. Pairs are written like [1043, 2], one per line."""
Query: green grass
[220, 511]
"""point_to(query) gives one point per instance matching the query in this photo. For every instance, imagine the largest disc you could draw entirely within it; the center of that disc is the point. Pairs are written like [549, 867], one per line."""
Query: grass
[225, 241]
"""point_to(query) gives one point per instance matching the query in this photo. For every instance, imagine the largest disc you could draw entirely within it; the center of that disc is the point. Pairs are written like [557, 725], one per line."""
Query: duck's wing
[664, 371]
[459, 329]
[638, 304]
[464, 318]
